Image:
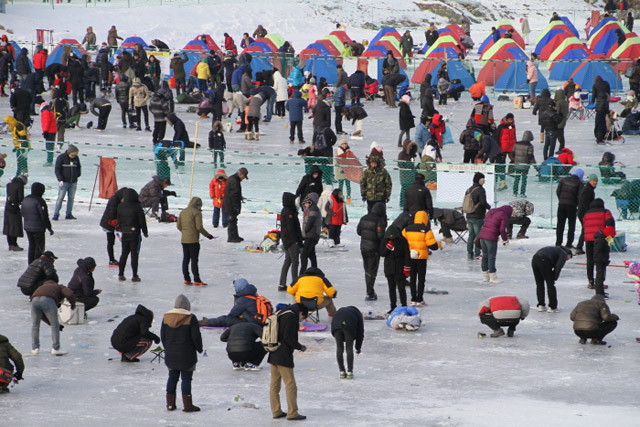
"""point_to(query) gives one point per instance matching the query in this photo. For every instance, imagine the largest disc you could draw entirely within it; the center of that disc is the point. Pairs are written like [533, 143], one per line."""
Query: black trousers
[89, 302]
[560, 133]
[600, 333]
[543, 273]
[124, 108]
[524, 223]
[232, 226]
[111, 241]
[338, 120]
[469, 156]
[159, 130]
[495, 324]
[371, 203]
[292, 131]
[417, 279]
[400, 285]
[291, 261]
[190, 253]
[600, 126]
[371, 262]
[581, 238]
[344, 340]
[253, 356]
[130, 245]
[308, 254]
[103, 116]
[566, 213]
[279, 108]
[12, 241]
[144, 109]
[78, 95]
[600, 267]
[36, 245]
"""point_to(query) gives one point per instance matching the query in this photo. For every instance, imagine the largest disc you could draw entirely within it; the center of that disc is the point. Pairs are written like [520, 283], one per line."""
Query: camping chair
[158, 353]
[460, 235]
[312, 305]
[624, 210]
[589, 107]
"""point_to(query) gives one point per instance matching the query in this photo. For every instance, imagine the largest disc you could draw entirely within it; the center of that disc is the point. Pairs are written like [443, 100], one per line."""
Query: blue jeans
[550, 137]
[489, 251]
[46, 306]
[532, 89]
[270, 103]
[67, 188]
[172, 382]
[216, 217]
[474, 225]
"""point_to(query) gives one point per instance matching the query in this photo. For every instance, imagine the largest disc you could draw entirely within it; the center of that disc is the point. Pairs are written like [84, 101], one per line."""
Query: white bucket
[69, 316]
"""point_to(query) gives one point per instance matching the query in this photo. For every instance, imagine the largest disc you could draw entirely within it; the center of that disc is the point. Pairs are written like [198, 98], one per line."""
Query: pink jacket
[532, 72]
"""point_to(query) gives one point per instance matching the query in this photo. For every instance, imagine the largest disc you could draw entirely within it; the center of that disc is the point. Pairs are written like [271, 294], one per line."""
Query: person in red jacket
[228, 42]
[502, 311]
[597, 219]
[437, 128]
[505, 136]
[216, 192]
[336, 215]
[40, 61]
[49, 129]
[566, 157]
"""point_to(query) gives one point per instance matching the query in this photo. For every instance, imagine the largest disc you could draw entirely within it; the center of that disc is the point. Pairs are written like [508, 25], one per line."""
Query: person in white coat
[280, 86]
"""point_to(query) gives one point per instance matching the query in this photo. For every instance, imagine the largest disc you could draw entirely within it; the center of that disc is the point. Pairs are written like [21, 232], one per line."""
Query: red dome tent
[211, 44]
[330, 47]
[516, 35]
[492, 70]
[268, 42]
[306, 53]
[342, 36]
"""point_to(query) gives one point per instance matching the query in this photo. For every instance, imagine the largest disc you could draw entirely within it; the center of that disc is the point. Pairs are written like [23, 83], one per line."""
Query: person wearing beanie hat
[482, 113]
[475, 218]
[82, 283]
[68, 170]
[567, 191]
[244, 308]
[12, 218]
[522, 158]
[181, 338]
[35, 215]
[586, 196]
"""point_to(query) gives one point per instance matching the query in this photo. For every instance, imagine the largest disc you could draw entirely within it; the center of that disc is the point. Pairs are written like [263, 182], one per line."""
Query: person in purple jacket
[494, 227]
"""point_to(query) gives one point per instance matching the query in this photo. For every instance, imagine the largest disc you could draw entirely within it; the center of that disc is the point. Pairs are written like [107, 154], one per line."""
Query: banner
[455, 179]
[108, 183]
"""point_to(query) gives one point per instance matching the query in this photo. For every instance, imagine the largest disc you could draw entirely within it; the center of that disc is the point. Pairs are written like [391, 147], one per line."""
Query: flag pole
[94, 183]
[193, 162]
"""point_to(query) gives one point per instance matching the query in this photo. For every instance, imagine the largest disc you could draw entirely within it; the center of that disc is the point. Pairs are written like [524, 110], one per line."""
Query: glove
[18, 377]
[172, 193]
[156, 340]
[527, 81]
[335, 295]
[303, 348]
[146, 235]
[609, 240]
[364, 198]
[113, 223]
[505, 243]
[407, 271]
[50, 232]
[389, 245]
[358, 351]
[60, 184]
[210, 237]
[62, 327]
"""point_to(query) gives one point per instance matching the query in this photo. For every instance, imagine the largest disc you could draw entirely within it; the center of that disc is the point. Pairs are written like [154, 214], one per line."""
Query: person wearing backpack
[244, 309]
[347, 328]
[242, 348]
[475, 206]
[281, 361]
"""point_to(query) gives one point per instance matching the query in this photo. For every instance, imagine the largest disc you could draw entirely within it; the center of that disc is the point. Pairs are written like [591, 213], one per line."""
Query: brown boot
[188, 405]
[171, 402]
[542, 137]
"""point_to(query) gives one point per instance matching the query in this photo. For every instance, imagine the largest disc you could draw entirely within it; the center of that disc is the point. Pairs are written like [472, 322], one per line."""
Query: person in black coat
[547, 264]
[82, 284]
[179, 130]
[242, 348]
[131, 223]
[600, 91]
[347, 327]
[132, 337]
[181, 338]
[76, 76]
[108, 222]
[36, 220]
[549, 120]
[426, 97]
[38, 272]
[586, 195]
[12, 219]
[475, 219]
[321, 116]
[417, 197]
[232, 203]
[371, 231]
[567, 192]
[281, 361]
[292, 241]
[20, 102]
[356, 85]
[405, 119]
[310, 183]
[32, 84]
[397, 264]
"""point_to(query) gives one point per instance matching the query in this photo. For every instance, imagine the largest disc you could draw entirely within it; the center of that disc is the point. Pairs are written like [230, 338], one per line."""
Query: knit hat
[182, 302]
[477, 177]
[592, 177]
[88, 262]
[579, 173]
[72, 150]
[527, 136]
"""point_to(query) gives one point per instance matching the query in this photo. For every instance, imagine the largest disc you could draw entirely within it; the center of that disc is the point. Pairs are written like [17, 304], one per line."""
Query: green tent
[277, 39]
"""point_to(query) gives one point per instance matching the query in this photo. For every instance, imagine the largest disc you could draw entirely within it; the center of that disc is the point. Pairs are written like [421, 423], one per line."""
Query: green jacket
[406, 43]
[7, 353]
[375, 184]
[190, 222]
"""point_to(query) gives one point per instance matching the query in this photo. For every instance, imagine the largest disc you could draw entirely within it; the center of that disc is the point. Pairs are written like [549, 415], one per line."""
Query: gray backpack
[270, 330]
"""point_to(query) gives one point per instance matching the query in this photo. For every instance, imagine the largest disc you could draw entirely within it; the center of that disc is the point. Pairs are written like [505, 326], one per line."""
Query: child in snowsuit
[420, 239]
[217, 143]
[9, 354]
[347, 328]
[216, 192]
[397, 264]
[336, 210]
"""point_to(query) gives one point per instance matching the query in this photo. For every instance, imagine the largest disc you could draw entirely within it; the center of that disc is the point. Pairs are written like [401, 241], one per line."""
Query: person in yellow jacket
[313, 284]
[203, 74]
[20, 135]
[420, 239]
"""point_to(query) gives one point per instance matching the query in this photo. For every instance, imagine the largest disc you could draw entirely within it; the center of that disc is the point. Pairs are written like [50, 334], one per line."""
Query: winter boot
[246, 135]
[256, 136]
[541, 137]
[188, 404]
[252, 136]
[171, 402]
[485, 276]
[291, 141]
[493, 278]
[497, 333]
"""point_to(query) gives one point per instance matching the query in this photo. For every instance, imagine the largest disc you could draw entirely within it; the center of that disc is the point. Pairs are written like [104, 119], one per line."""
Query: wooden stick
[193, 163]
[94, 184]
[610, 265]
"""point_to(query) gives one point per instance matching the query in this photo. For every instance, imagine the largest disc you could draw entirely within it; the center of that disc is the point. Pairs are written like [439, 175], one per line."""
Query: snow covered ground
[440, 375]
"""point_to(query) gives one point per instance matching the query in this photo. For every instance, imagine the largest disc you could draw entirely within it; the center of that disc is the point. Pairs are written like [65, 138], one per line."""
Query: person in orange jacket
[420, 239]
[216, 192]
[477, 90]
[49, 129]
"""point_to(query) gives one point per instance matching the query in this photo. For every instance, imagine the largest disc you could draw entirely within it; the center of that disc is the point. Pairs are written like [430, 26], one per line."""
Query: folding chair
[623, 209]
[460, 235]
[312, 305]
[158, 353]
[589, 107]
